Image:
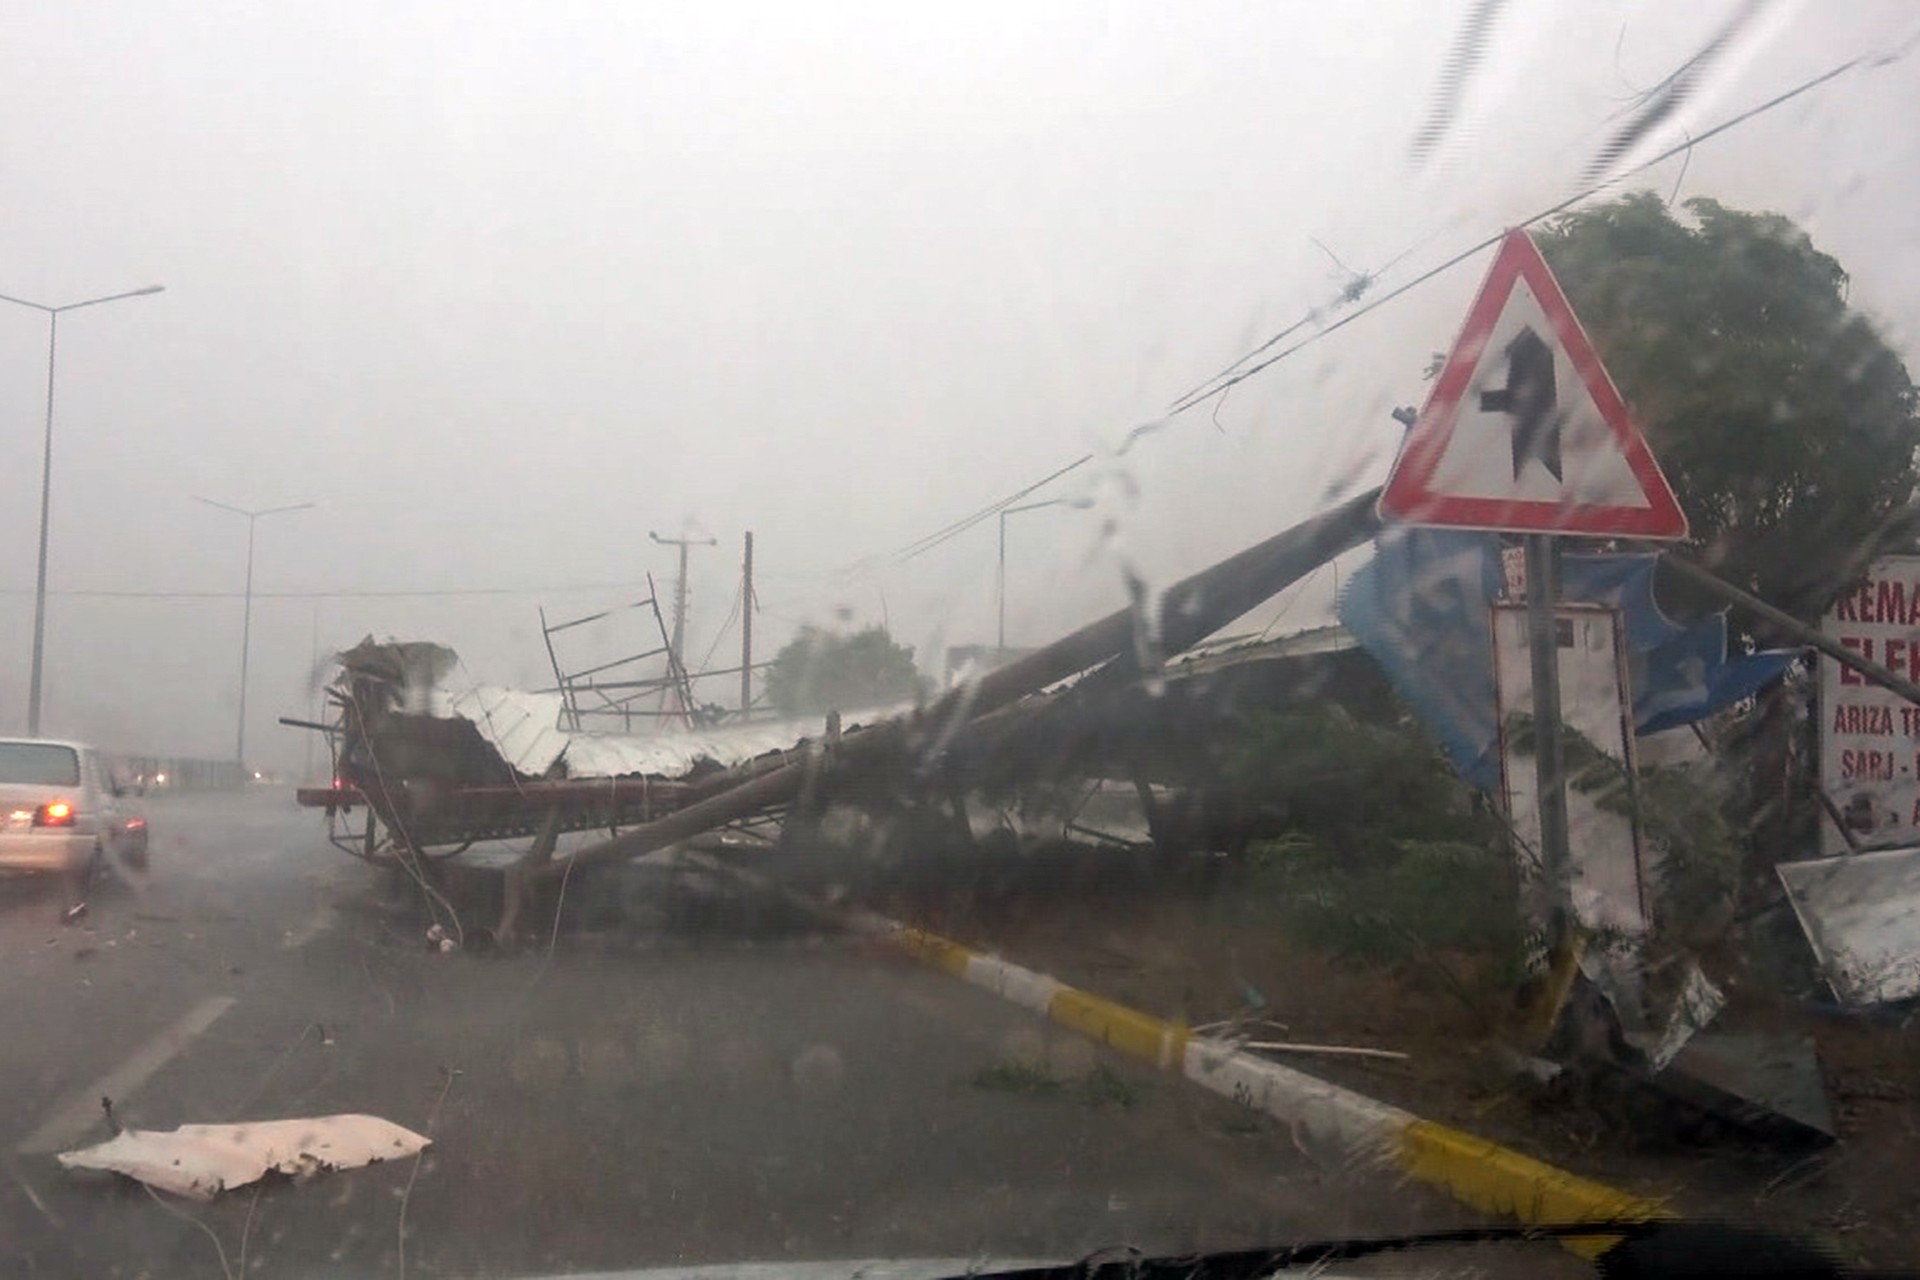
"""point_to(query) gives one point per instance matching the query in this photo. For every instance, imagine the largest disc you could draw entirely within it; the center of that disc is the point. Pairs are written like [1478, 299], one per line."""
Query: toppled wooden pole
[1191, 610]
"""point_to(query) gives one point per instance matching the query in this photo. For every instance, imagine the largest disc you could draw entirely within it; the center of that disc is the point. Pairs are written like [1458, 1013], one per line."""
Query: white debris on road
[202, 1160]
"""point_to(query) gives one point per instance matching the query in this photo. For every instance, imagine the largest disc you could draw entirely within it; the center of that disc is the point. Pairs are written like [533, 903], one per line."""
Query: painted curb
[1481, 1174]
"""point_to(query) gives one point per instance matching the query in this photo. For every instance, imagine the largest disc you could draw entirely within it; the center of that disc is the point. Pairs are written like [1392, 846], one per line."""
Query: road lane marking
[307, 930]
[81, 1112]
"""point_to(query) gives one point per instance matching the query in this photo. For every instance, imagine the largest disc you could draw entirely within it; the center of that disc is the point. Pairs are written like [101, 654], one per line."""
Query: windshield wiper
[1664, 1250]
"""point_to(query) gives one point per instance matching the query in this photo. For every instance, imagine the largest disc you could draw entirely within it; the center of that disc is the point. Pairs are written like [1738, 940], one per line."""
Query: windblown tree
[1786, 423]
[820, 671]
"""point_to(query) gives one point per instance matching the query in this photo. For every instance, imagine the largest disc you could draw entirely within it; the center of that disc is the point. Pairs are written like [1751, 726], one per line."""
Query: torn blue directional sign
[1420, 608]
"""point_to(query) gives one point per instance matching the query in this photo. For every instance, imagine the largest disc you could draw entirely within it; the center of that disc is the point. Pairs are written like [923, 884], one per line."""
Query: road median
[1479, 1173]
[1475, 1171]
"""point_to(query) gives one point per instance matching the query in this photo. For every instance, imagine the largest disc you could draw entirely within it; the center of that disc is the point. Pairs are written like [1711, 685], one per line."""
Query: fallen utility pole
[1190, 610]
[1812, 637]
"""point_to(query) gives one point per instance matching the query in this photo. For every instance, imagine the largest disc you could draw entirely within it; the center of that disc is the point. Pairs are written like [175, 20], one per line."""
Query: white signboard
[1608, 886]
[1869, 736]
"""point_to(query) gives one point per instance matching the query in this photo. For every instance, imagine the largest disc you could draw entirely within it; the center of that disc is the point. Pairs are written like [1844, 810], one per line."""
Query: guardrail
[179, 773]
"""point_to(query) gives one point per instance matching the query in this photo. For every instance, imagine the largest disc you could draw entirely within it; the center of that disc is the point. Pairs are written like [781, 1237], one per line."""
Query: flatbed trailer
[378, 823]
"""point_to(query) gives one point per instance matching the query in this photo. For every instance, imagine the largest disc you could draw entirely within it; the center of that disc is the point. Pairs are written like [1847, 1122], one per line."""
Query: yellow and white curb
[1484, 1175]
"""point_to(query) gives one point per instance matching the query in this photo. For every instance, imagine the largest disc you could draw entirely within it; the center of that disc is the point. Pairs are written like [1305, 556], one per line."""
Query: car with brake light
[64, 811]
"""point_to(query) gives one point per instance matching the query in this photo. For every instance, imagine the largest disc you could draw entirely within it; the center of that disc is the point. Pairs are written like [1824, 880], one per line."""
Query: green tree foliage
[1786, 424]
[820, 671]
[1356, 787]
[1387, 856]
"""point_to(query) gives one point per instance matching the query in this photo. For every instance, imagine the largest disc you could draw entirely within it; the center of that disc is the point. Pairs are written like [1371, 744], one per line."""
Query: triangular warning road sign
[1524, 430]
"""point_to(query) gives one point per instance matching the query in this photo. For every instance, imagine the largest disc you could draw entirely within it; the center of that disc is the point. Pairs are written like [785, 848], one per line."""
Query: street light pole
[46, 487]
[40, 571]
[1000, 578]
[246, 622]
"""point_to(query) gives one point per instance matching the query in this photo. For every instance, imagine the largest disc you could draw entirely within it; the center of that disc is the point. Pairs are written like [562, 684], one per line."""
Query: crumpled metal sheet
[413, 669]
[1771, 1086]
[1698, 1003]
[1861, 914]
[202, 1160]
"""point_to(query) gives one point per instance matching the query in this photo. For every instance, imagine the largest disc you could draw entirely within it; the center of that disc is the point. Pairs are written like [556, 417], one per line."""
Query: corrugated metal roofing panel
[673, 755]
[523, 727]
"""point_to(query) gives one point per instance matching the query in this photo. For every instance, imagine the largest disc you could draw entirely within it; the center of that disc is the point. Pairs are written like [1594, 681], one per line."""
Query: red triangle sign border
[1408, 496]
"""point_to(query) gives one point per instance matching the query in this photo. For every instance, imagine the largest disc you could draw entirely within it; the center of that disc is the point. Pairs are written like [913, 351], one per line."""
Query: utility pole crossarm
[90, 302]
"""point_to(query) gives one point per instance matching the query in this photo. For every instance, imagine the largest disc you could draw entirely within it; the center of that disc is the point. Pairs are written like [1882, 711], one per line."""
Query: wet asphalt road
[698, 1077]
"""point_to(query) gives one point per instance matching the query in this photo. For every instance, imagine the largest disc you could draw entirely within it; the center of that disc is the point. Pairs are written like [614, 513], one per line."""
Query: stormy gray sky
[502, 287]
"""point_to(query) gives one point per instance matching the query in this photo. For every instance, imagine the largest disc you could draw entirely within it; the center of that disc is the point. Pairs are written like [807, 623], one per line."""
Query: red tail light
[57, 814]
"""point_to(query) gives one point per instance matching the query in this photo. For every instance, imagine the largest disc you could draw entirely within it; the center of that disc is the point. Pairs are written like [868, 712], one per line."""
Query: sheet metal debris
[1861, 914]
[1770, 1086]
[1698, 1003]
[202, 1160]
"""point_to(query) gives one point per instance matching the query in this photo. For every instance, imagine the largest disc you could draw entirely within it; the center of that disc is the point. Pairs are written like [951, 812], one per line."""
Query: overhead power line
[346, 594]
[1240, 371]
[1225, 382]
[987, 512]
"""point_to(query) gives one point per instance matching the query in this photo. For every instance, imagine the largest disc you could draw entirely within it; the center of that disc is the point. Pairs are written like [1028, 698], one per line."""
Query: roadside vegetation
[820, 671]
[1388, 858]
[1386, 855]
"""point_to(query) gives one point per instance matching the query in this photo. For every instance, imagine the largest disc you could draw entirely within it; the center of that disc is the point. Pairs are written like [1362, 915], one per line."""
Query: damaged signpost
[1525, 433]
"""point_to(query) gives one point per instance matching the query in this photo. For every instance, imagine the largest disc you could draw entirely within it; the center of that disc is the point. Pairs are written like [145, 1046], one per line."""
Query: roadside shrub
[1408, 901]
[1390, 858]
[1351, 786]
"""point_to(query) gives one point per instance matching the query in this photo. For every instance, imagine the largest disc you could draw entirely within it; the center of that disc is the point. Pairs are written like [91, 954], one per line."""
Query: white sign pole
[1543, 591]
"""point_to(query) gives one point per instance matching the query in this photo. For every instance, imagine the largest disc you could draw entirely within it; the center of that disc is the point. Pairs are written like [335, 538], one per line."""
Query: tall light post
[246, 625]
[46, 485]
[1000, 578]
